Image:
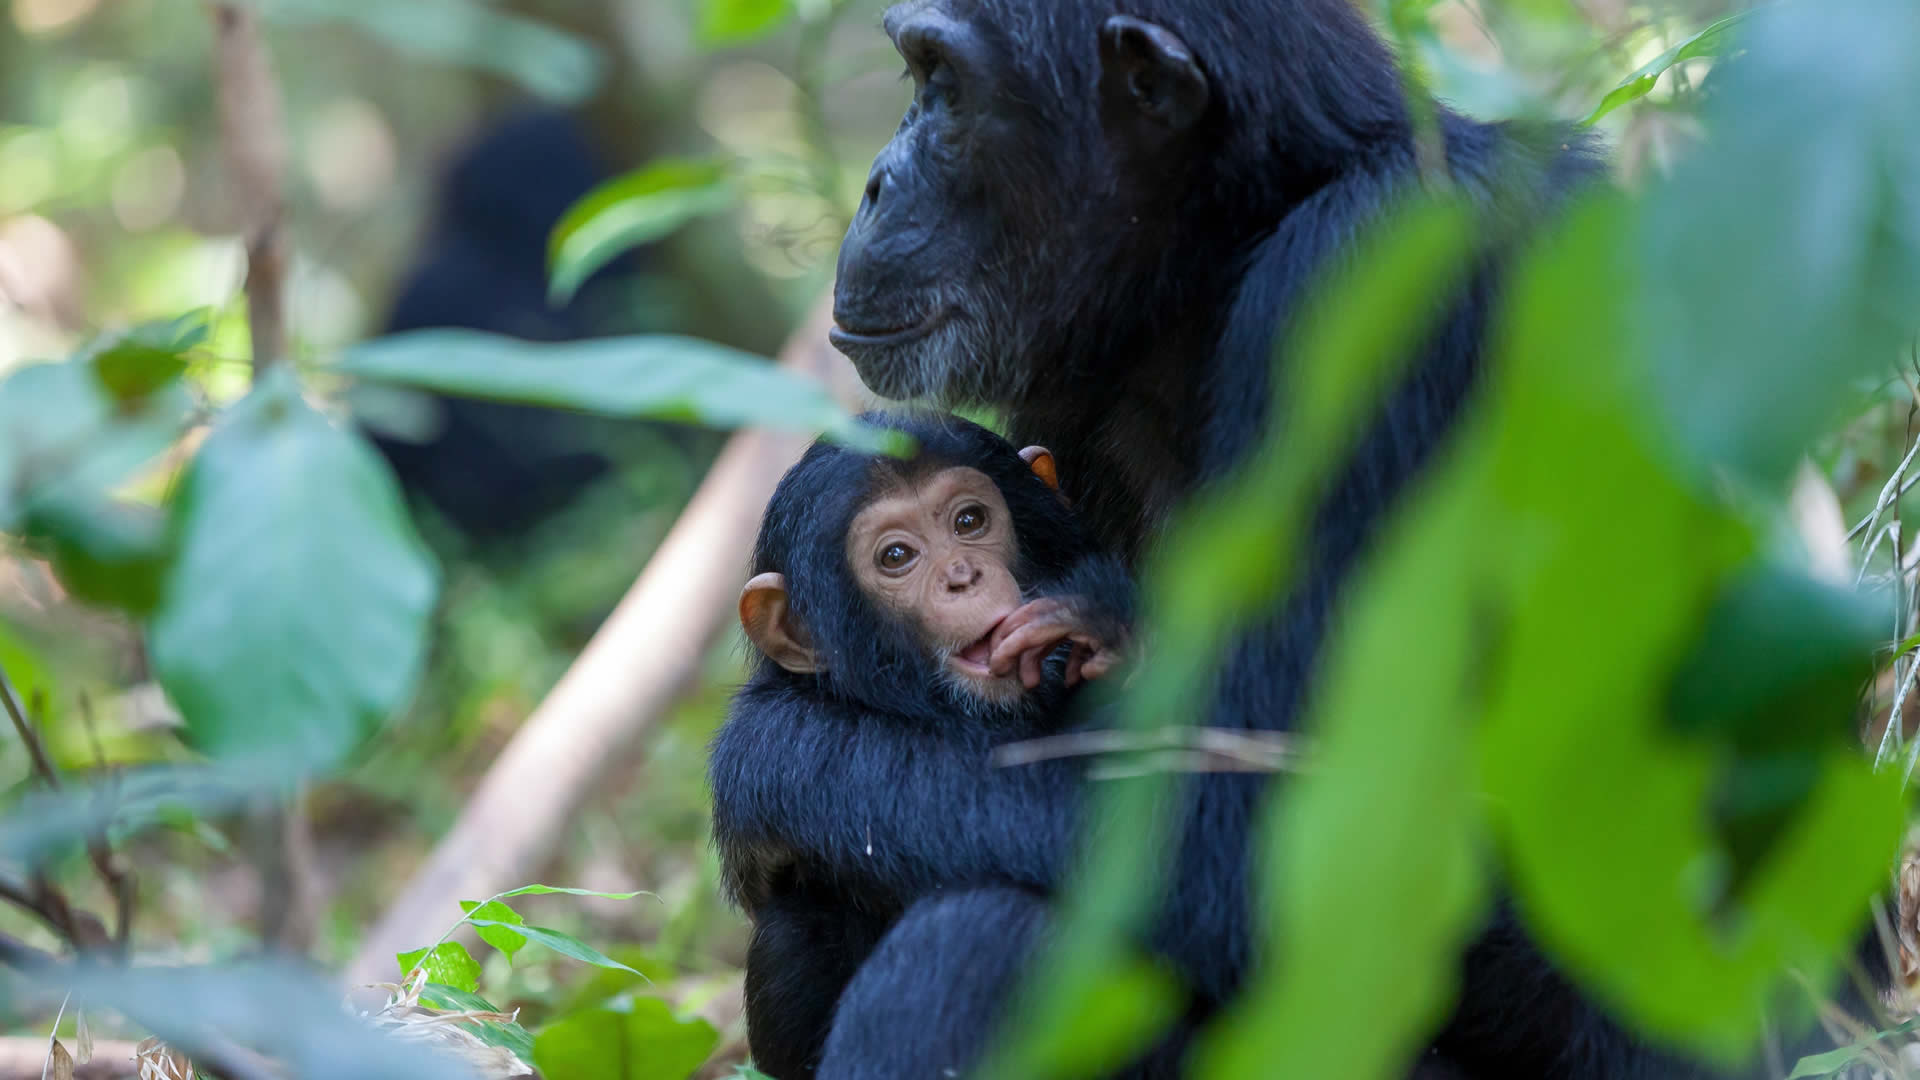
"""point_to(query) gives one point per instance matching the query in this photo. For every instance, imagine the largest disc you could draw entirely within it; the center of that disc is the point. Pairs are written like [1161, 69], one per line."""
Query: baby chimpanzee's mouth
[974, 658]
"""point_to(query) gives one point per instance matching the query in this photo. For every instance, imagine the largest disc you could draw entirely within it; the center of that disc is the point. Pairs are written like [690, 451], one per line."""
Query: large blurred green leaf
[64, 436]
[632, 210]
[636, 1040]
[292, 1015]
[1383, 831]
[1781, 262]
[1608, 562]
[555, 65]
[294, 619]
[661, 377]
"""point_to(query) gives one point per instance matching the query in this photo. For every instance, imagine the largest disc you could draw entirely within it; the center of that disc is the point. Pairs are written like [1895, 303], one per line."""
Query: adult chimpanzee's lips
[844, 336]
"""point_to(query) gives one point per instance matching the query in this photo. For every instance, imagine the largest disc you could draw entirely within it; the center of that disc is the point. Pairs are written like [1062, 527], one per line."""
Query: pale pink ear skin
[768, 622]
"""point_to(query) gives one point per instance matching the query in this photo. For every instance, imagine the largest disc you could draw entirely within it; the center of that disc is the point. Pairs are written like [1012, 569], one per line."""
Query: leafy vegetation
[1610, 654]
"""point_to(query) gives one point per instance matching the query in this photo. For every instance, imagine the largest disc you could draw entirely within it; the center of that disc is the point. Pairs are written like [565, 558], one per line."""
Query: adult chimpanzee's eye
[970, 521]
[895, 557]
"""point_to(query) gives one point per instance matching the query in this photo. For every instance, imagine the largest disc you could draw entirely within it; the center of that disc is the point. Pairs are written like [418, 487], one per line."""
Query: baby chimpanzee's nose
[962, 575]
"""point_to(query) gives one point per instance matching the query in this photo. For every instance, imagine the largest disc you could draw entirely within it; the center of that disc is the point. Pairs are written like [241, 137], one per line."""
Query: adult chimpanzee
[1098, 215]
[494, 469]
[904, 612]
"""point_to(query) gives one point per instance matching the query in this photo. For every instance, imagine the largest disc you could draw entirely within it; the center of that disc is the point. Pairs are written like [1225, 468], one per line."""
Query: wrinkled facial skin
[940, 554]
[930, 268]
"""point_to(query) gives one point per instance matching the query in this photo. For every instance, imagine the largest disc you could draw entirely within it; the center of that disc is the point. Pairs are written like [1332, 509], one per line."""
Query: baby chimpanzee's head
[884, 578]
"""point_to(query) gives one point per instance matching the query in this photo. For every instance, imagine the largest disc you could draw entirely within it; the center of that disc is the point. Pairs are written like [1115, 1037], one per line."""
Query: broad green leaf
[555, 65]
[1384, 830]
[661, 377]
[1604, 810]
[1779, 267]
[294, 618]
[293, 1011]
[564, 944]
[494, 1033]
[1125, 1011]
[730, 22]
[135, 364]
[448, 963]
[629, 211]
[1715, 40]
[506, 941]
[643, 1041]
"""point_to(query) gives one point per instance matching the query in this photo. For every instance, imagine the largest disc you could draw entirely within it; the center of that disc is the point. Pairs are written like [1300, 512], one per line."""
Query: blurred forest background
[433, 146]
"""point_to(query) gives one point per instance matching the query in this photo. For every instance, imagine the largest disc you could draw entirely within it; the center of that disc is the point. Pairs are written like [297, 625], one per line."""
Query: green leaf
[564, 944]
[730, 22]
[1779, 268]
[1604, 812]
[493, 1032]
[629, 211]
[1385, 830]
[294, 619]
[1835, 1062]
[659, 377]
[544, 890]
[552, 64]
[142, 360]
[1715, 40]
[106, 551]
[643, 1041]
[448, 963]
[507, 941]
[65, 437]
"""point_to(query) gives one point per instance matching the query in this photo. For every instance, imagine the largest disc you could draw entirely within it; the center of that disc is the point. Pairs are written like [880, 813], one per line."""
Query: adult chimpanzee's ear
[1040, 460]
[769, 624]
[1148, 70]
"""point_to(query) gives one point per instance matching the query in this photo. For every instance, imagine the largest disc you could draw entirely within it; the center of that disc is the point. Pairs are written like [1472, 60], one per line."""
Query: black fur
[1120, 299]
[826, 862]
[494, 469]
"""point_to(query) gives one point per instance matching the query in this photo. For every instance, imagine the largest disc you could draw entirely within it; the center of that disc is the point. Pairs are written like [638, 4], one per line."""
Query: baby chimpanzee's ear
[1040, 460]
[769, 624]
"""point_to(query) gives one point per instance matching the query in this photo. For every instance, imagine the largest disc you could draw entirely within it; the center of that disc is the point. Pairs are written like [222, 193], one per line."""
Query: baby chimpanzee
[905, 611]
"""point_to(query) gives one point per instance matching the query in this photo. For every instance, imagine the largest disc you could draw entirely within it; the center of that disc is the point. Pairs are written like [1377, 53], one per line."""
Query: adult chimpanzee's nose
[876, 183]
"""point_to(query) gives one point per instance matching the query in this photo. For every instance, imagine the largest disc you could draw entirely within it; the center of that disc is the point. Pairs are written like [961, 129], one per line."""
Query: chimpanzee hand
[1027, 636]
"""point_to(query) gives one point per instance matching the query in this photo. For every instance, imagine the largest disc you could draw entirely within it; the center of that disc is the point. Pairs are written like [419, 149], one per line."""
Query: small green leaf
[507, 941]
[564, 944]
[448, 963]
[730, 22]
[1713, 41]
[135, 364]
[631, 210]
[656, 376]
[544, 890]
[106, 551]
[294, 617]
[641, 1041]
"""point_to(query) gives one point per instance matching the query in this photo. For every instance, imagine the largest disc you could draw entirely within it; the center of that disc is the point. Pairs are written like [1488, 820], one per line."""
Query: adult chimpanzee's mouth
[845, 337]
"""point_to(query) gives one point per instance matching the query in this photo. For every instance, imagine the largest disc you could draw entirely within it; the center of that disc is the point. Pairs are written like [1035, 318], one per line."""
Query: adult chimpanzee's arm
[881, 806]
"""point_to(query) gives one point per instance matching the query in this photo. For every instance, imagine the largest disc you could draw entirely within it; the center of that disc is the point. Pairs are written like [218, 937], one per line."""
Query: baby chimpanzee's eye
[895, 557]
[970, 521]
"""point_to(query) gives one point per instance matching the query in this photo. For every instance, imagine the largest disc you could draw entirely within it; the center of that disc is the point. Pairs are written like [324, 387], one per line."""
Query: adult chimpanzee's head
[882, 578]
[1073, 173]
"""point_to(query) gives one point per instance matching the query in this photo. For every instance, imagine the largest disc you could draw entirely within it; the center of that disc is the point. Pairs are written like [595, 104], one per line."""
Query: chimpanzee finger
[1075, 659]
[1100, 663]
[1043, 636]
[1033, 666]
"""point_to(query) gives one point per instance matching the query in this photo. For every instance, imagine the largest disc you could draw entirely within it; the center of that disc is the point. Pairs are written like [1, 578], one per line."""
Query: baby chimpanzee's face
[939, 553]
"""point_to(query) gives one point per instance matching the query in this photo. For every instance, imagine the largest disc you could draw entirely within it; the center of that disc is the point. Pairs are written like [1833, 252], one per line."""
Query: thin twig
[42, 764]
[1194, 749]
[109, 865]
[253, 140]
